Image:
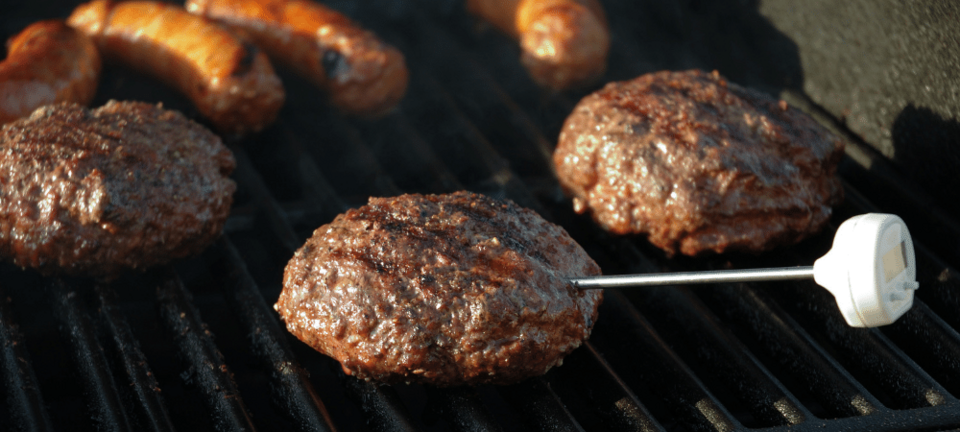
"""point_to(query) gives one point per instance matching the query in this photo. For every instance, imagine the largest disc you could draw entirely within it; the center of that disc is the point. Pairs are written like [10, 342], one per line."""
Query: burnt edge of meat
[698, 165]
[440, 289]
[129, 185]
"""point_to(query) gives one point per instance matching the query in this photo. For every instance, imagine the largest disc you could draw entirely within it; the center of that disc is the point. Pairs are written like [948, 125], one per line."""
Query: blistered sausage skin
[231, 82]
[47, 62]
[362, 74]
[564, 42]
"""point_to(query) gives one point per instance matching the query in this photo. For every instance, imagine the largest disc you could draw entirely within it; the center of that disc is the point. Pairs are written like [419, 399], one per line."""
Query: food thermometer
[871, 270]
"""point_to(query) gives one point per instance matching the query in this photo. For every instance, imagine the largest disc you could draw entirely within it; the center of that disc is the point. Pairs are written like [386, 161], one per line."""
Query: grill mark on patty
[445, 315]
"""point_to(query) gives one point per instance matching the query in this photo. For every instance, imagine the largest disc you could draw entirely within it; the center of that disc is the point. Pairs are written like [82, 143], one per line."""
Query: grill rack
[141, 350]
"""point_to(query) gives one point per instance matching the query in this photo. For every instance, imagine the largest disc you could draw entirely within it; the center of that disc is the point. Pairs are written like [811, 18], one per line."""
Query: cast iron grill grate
[197, 346]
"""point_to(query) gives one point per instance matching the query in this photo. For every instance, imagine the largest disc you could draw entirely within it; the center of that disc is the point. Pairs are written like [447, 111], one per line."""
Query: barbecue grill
[197, 346]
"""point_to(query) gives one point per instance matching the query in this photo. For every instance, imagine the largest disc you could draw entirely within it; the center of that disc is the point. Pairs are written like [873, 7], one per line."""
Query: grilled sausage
[47, 62]
[230, 81]
[564, 42]
[362, 74]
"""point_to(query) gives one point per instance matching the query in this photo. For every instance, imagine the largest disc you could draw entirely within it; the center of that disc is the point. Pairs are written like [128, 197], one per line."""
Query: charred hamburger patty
[440, 289]
[92, 192]
[698, 164]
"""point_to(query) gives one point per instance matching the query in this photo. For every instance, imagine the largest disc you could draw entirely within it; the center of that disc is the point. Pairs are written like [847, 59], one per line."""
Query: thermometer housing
[870, 270]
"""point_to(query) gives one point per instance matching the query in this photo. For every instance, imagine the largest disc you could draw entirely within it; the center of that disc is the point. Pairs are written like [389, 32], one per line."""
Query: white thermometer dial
[871, 270]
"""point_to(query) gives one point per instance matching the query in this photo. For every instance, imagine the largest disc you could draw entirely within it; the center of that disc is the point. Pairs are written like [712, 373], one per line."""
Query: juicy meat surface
[92, 192]
[698, 164]
[440, 289]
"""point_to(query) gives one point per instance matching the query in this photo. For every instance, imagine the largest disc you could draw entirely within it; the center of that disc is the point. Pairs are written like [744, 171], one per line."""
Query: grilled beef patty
[698, 164]
[93, 192]
[440, 289]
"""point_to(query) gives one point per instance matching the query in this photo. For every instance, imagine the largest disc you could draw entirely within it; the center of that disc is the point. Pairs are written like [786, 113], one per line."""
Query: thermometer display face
[871, 269]
[894, 262]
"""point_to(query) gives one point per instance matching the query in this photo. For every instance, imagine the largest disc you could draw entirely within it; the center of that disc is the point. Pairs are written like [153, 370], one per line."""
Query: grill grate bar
[931, 342]
[91, 362]
[930, 418]
[313, 182]
[865, 352]
[248, 175]
[292, 390]
[792, 348]
[725, 357]
[476, 153]
[146, 390]
[404, 153]
[465, 145]
[24, 401]
[380, 404]
[349, 159]
[652, 364]
[685, 318]
[206, 368]
[540, 405]
[481, 100]
[617, 405]
[462, 408]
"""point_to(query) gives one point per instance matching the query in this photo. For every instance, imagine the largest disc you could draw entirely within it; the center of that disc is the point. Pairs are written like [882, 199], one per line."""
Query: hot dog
[564, 42]
[362, 74]
[47, 62]
[231, 82]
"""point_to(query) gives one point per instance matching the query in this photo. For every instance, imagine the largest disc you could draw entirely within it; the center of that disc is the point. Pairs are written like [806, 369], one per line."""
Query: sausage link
[47, 62]
[362, 74]
[564, 42]
[231, 82]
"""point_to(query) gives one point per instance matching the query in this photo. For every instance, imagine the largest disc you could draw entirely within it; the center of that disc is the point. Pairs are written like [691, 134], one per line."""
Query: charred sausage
[47, 62]
[564, 42]
[231, 82]
[362, 74]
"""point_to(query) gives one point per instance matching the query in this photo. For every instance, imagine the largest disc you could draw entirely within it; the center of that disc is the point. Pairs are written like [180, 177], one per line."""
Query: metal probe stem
[639, 280]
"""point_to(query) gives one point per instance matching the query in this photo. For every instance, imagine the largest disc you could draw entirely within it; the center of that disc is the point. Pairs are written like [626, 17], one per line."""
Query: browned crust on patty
[440, 289]
[698, 164]
[93, 192]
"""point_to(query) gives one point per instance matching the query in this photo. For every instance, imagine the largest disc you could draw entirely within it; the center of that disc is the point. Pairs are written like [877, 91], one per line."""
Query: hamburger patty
[698, 164]
[440, 289]
[92, 192]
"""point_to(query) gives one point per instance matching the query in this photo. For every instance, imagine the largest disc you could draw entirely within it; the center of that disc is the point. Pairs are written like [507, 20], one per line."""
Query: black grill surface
[197, 345]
